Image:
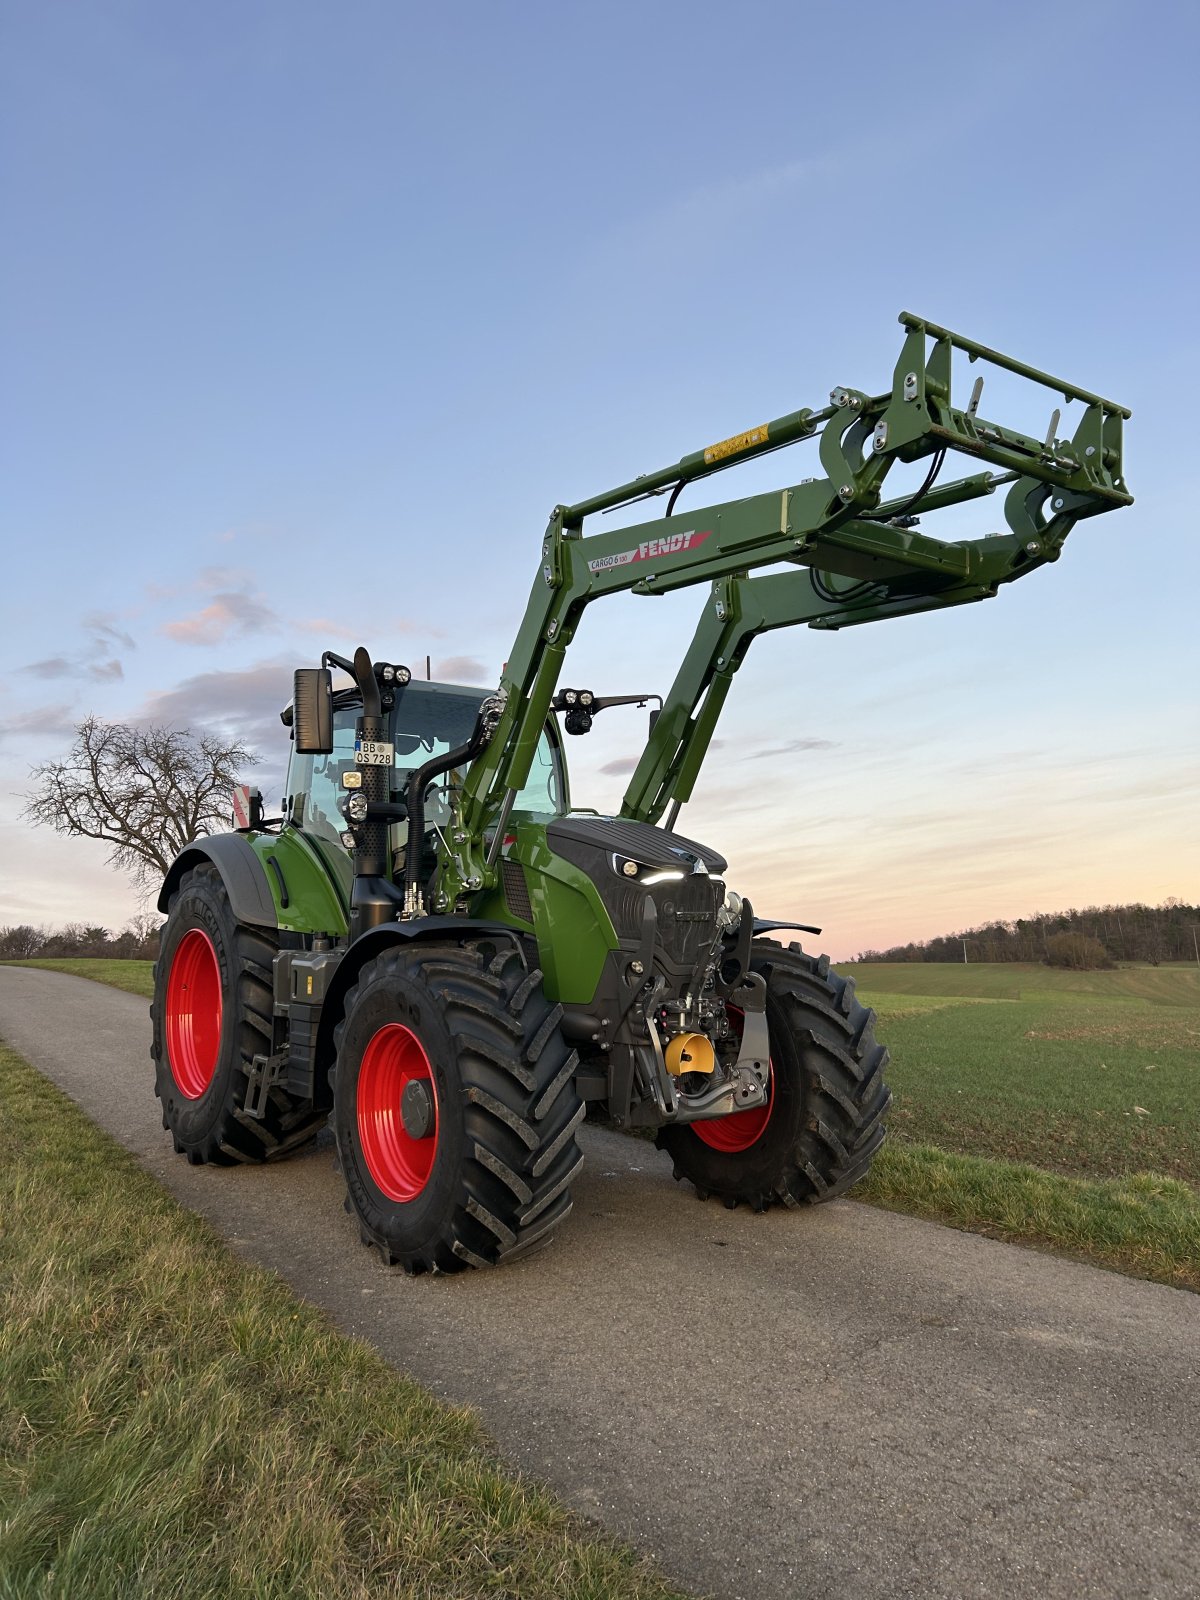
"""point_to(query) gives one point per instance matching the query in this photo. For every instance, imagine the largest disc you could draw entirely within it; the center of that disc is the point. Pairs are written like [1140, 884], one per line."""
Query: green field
[1094, 1074]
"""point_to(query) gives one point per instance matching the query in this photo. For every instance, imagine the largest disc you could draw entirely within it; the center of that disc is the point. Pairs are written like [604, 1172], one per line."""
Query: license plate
[374, 753]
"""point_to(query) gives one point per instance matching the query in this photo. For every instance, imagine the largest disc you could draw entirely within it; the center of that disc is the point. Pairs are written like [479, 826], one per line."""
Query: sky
[310, 313]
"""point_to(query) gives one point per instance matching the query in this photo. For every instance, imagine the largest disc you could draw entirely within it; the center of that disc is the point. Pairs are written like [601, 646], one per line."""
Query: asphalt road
[835, 1402]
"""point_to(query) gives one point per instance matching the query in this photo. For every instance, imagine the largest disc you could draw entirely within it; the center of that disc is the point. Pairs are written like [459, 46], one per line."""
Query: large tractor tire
[454, 1107]
[823, 1123]
[212, 1013]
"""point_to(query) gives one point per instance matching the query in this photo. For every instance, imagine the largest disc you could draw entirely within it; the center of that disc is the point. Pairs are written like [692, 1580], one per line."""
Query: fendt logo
[650, 549]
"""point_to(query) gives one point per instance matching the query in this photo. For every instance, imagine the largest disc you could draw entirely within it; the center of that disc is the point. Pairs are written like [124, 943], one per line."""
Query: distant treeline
[1168, 932]
[139, 941]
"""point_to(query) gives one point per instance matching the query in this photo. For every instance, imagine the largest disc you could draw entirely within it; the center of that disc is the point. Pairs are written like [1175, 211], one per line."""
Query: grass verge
[135, 977]
[176, 1423]
[1147, 1225]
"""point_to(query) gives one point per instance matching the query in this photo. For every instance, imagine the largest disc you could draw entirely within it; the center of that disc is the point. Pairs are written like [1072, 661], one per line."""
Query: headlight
[646, 875]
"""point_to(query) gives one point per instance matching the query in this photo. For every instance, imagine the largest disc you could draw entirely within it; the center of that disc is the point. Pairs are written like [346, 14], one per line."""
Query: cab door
[315, 793]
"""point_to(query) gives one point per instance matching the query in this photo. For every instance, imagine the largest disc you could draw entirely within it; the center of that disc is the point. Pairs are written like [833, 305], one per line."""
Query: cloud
[745, 193]
[620, 767]
[793, 747]
[43, 721]
[105, 671]
[244, 703]
[51, 667]
[224, 578]
[233, 609]
[231, 613]
[462, 669]
[330, 628]
[724, 204]
[102, 625]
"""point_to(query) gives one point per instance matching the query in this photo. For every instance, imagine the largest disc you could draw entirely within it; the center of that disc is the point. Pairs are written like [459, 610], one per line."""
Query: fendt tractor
[439, 954]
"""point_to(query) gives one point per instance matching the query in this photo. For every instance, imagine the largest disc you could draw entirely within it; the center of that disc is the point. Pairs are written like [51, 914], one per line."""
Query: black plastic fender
[769, 925]
[241, 872]
[367, 947]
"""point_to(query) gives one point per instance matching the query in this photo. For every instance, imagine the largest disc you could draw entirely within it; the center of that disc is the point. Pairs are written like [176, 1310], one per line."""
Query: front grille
[687, 916]
[516, 890]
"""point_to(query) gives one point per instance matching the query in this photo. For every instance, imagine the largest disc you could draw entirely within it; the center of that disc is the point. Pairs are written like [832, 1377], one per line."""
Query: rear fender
[241, 872]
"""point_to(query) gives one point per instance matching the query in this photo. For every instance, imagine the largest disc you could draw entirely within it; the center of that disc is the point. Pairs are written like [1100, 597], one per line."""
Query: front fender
[368, 946]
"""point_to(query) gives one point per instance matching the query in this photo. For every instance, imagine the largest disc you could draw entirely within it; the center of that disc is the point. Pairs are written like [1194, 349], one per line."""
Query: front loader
[432, 949]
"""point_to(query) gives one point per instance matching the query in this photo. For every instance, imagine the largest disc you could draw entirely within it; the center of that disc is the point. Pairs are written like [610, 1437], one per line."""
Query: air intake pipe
[371, 855]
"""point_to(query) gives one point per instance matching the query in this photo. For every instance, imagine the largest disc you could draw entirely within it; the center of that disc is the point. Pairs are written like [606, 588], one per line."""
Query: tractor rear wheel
[823, 1122]
[454, 1106]
[212, 1014]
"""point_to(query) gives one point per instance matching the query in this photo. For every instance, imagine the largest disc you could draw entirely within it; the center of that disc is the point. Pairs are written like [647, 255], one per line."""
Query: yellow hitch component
[690, 1052]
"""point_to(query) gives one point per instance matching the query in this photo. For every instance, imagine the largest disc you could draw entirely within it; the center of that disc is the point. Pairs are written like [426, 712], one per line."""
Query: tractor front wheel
[454, 1106]
[212, 1014]
[823, 1121]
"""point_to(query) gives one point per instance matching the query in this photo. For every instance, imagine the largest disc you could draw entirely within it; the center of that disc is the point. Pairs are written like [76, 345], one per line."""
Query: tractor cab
[424, 721]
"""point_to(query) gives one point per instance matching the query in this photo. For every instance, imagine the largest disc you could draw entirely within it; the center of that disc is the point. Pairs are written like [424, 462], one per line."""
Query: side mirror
[312, 718]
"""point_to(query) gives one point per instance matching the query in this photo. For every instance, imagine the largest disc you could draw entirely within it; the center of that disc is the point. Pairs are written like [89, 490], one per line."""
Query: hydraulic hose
[485, 726]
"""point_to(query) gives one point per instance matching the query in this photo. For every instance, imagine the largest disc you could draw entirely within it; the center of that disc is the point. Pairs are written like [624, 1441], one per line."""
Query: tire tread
[235, 1136]
[520, 1105]
[844, 1100]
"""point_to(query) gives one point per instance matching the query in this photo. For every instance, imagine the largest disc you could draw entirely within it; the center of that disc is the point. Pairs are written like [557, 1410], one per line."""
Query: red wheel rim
[742, 1128]
[194, 1013]
[399, 1164]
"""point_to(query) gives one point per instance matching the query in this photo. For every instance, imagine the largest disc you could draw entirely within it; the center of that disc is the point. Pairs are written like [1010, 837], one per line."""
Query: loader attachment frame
[856, 557]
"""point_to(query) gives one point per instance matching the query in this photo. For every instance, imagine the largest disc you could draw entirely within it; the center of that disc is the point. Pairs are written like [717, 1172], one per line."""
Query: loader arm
[858, 557]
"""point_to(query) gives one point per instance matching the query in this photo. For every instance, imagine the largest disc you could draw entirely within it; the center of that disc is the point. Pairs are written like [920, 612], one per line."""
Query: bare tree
[144, 791]
[145, 927]
[21, 942]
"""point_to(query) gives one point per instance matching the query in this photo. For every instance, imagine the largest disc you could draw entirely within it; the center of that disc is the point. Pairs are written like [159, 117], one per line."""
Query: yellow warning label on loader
[732, 447]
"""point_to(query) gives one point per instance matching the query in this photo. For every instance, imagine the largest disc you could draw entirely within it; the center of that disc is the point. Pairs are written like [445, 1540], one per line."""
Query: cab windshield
[431, 718]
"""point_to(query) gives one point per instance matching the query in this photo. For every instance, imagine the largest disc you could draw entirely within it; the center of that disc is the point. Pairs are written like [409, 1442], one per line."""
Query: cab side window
[315, 782]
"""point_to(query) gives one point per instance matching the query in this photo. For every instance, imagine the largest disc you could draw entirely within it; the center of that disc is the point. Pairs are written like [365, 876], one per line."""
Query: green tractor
[436, 952]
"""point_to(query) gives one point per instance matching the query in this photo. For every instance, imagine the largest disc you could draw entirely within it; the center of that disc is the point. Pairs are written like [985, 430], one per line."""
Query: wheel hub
[416, 1109]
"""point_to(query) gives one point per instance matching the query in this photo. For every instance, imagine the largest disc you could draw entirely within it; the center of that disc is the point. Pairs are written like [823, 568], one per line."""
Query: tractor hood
[633, 841]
